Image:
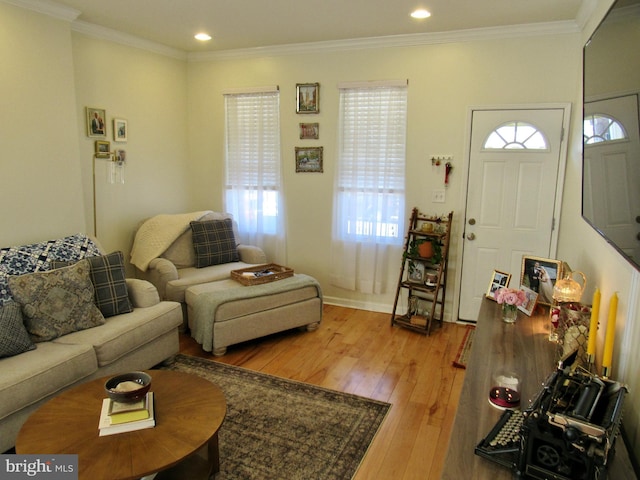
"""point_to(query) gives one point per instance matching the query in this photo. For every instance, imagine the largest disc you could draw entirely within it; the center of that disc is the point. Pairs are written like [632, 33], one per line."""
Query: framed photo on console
[498, 280]
[540, 275]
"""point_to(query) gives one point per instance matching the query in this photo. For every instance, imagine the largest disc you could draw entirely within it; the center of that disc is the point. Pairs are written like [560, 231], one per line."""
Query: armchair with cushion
[165, 254]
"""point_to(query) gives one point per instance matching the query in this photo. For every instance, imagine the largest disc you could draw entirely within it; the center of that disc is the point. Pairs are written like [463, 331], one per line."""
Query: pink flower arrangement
[510, 296]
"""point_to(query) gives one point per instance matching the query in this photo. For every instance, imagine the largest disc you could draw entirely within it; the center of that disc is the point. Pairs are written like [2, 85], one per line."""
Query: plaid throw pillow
[14, 338]
[108, 278]
[214, 242]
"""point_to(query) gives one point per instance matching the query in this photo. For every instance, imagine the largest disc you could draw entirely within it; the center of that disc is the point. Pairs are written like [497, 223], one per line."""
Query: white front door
[514, 157]
[612, 175]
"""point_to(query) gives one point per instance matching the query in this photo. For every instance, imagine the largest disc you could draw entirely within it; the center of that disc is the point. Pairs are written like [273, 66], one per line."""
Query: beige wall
[444, 81]
[40, 188]
[149, 91]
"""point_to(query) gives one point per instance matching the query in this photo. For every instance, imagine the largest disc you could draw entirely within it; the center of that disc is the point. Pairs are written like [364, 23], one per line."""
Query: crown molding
[104, 33]
[410, 40]
[47, 8]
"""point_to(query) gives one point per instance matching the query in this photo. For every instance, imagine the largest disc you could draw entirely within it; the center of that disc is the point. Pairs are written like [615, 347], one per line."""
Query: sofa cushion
[214, 242]
[57, 302]
[35, 375]
[14, 338]
[122, 334]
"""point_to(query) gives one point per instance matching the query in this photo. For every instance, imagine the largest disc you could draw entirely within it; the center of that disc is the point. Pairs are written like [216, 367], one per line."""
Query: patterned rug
[282, 429]
[465, 348]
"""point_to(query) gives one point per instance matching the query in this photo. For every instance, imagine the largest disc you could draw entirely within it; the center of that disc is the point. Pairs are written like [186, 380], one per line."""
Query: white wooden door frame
[461, 218]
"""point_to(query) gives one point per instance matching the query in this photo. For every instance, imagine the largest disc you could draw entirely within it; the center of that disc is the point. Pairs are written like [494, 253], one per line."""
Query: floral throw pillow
[14, 338]
[57, 302]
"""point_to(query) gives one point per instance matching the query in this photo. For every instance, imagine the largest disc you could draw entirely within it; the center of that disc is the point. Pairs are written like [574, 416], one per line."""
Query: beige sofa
[138, 340]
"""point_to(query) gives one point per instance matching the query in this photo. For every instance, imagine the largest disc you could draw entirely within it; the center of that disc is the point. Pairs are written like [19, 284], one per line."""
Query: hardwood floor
[359, 352]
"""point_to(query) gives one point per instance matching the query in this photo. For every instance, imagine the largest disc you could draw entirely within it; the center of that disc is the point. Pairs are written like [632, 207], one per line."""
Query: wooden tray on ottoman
[260, 274]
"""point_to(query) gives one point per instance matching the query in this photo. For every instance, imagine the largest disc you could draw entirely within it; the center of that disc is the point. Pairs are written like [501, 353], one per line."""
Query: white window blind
[370, 184]
[371, 163]
[253, 175]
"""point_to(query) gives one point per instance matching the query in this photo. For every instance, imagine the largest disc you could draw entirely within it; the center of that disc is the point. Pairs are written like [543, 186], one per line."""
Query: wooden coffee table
[189, 410]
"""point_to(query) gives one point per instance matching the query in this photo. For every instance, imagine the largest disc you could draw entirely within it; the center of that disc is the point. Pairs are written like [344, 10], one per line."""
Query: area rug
[282, 429]
[465, 348]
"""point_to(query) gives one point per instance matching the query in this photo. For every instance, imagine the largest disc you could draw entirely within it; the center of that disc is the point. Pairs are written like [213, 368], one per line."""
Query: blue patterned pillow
[14, 338]
[36, 257]
[57, 302]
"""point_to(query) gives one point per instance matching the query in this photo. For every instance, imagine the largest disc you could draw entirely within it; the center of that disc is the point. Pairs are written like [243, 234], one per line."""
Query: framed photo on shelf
[532, 300]
[540, 275]
[498, 280]
[120, 130]
[309, 131]
[309, 159]
[307, 98]
[416, 272]
[96, 122]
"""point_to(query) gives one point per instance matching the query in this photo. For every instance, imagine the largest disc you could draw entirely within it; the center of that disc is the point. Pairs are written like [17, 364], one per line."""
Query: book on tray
[117, 417]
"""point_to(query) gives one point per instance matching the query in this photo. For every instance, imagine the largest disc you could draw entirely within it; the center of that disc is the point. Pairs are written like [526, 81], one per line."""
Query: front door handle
[471, 236]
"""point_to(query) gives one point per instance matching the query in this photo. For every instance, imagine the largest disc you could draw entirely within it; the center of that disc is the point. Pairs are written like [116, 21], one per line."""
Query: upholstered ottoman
[225, 312]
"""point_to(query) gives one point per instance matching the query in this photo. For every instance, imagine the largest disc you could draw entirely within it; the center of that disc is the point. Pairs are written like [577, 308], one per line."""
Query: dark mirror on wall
[611, 160]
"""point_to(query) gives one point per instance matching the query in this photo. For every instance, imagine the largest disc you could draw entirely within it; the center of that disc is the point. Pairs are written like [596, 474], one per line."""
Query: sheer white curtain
[253, 176]
[368, 217]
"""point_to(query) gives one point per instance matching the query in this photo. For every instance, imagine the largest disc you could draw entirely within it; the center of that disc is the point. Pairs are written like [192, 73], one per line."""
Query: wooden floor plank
[359, 352]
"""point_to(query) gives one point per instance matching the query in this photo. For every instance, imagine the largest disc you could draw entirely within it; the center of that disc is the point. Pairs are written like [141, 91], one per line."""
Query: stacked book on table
[116, 417]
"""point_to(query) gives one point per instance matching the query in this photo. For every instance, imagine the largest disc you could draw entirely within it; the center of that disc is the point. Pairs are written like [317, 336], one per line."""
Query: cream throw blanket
[157, 234]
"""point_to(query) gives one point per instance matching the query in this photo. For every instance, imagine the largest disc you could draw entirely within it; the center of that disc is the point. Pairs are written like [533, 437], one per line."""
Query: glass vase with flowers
[510, 299]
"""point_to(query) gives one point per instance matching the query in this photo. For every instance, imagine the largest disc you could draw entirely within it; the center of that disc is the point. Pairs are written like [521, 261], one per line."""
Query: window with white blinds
[370, 182]
[252, 154]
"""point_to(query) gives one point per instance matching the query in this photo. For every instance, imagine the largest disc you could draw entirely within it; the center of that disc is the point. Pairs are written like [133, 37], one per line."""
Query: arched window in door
[600, 128]
[516, 135]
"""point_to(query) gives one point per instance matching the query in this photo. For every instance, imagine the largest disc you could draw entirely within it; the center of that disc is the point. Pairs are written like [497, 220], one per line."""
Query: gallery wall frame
[309, 159]
[96, 122]
[307, 98]
[120, 130]
[309, 131]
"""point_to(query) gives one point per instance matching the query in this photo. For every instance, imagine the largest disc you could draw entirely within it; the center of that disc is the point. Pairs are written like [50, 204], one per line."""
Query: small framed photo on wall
[309, 159]
[307, 98]
[102, 149]
[309, 131]
[120, 130]
[96, 123]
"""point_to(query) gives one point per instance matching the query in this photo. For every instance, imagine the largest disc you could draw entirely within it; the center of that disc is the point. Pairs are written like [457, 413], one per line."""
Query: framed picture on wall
[102, 149]
[540, 275]
[309, 131]
[96, 122]
[309, 159]
[307, 98]
[120, 130]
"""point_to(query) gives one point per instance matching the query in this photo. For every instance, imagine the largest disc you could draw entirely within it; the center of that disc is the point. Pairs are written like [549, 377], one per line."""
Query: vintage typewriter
[568, 432]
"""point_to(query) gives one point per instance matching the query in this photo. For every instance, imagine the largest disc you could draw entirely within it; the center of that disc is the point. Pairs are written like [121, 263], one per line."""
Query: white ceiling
[240, 24]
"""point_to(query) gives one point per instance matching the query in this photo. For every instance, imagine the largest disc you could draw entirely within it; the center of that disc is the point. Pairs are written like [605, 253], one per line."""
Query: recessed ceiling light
[203, 37]
[421, 13]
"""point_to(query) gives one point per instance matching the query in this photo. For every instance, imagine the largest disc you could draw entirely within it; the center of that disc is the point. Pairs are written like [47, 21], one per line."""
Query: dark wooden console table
[522, 347]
